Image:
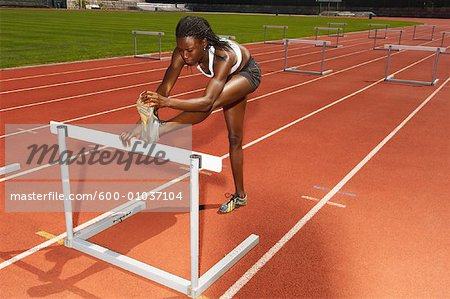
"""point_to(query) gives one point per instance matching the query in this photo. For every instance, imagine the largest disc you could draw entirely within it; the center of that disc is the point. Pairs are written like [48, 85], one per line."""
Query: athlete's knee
[235, 140]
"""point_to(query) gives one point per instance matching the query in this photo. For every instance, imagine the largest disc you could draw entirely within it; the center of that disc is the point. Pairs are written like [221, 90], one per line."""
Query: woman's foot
[150, 122]
[235, 201]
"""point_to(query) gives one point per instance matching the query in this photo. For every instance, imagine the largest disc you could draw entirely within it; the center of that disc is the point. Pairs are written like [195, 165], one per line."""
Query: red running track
[382, 234]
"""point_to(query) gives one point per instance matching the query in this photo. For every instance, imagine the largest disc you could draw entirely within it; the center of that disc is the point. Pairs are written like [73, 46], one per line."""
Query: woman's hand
[154, 99]
[126, 137]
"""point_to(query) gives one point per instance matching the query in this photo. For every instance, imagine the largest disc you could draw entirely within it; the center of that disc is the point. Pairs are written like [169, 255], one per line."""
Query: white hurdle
[196, 161]
[266, 27]
[375, 45]
[339, 25]
[433, 81]
[371, 28]
[316, 43]
[337, 35]
[433, 27]
[150, 33]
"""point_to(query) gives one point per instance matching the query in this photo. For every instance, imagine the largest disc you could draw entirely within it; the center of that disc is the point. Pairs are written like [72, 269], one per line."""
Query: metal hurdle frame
[340, 25]
[311, 42]
[443, 37]
[376, 47]
[196, 161]
[151, 33]
[337, 35]
[274, 27]
[433, 81]
[386, 26]
[433, 27]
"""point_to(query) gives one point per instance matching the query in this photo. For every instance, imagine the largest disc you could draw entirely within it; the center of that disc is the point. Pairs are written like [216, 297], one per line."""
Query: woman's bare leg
[234, 118]
[234, 90]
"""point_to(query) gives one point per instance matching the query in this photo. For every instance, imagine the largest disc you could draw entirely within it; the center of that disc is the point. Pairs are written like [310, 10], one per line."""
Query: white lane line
[41, 246]
[296, 228]
[328, 203]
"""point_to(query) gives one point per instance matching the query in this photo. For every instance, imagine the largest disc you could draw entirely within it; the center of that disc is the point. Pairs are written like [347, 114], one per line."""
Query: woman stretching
[234, 74]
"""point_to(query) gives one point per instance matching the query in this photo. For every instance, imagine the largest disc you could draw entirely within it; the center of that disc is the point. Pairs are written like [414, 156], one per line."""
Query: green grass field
[30, 37]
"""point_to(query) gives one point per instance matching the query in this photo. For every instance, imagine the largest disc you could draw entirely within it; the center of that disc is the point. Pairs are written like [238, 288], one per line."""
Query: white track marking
[328, 203]
[296, 228]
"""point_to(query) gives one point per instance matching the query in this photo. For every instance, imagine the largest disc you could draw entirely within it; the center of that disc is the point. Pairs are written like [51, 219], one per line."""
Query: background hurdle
[433, 27]
[339, 25]
[337, 35]
[433, 81]
[151, 33]
[443, 37]
[78, 241]
[305, 41]
[376, 47]
[274, 27]
[386, 26]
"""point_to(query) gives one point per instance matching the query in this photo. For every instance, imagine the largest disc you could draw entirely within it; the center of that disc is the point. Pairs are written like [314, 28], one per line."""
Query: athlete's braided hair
[199, 28]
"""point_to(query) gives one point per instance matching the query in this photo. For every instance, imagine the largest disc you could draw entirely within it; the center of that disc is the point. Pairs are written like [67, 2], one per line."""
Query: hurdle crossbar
[78, 240]
[337, 35]
[433, 27]
[266, 27]
[386, 26]
[433, 81]
[339, 25]
[375, 45]
[150, 33]
[317, 43]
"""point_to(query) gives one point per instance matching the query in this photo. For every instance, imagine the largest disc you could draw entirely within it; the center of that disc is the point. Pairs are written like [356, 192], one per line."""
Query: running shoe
[235, 202]
[150, 122]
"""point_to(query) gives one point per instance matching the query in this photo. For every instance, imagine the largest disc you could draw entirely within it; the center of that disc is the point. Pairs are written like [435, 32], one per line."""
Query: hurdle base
[391, 78]
[222, 266]
[80, 243]
[295, 70]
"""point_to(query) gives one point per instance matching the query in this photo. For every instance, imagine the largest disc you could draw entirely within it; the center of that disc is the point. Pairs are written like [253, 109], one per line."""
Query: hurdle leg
[159, 42]
[285, 53]
[135, 45]
[64, 166]
[386, 77]
[322, 63]
[434, 80]
[414, 32]
[265, 33]
[194, 214]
